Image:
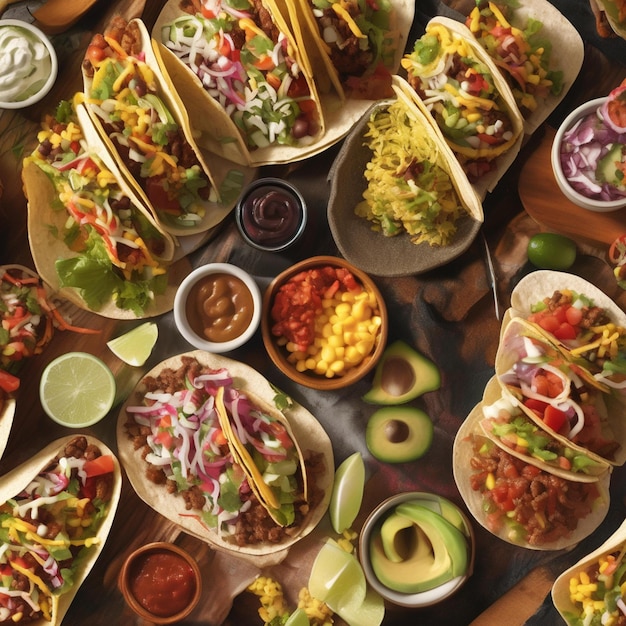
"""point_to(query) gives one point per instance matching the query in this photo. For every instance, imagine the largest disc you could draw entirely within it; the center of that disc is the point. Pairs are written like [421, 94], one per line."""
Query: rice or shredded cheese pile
[409, 188]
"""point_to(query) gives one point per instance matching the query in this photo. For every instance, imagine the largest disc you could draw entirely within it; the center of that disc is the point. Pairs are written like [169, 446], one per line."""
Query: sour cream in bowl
[28, 64]
[588, 154]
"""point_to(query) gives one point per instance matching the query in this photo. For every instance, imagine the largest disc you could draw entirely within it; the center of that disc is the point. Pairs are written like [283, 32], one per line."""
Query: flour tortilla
[7, 413]
[612, 14]
[610, 410]
[463, 451]
[505, 154]
[306, 429]
[19, 478]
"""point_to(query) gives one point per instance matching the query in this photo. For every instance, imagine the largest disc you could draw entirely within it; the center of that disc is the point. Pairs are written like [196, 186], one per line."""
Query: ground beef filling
[546, 506]
[253, 526]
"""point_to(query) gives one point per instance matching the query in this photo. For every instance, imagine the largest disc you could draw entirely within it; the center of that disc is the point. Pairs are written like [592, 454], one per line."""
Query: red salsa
[163, 583]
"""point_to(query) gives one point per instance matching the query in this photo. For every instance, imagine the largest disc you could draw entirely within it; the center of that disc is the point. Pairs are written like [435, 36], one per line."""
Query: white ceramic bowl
[411, 600]
[37, 34]
[180, 308]
[599, 206]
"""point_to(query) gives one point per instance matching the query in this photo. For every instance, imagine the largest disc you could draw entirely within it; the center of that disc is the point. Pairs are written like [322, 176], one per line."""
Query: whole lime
[551, 251]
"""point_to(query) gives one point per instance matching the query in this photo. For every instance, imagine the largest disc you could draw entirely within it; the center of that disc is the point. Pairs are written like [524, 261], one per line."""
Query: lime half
[77, 389]
[135, 346]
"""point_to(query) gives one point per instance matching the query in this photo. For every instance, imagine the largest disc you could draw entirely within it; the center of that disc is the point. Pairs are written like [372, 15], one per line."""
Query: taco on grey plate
[91, 235]
[56, 509]
[587, 325]
[519, 501]
[559, 395]
[145, 126]
[468, 99]
[538, 51]
[225, 464]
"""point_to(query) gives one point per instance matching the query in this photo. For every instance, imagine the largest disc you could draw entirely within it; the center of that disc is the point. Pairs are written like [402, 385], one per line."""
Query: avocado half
[397, 434]
[402, 374]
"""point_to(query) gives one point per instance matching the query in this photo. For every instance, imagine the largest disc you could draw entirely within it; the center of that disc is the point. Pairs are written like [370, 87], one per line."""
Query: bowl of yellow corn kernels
[324, 323]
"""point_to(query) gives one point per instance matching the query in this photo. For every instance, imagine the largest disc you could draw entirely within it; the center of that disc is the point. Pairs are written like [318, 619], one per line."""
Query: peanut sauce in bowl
[217, 307]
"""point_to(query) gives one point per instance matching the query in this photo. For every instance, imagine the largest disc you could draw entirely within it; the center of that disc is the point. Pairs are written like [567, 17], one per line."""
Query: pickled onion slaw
[44, 531]
[187, 443]
[260, 85]
[583, 150]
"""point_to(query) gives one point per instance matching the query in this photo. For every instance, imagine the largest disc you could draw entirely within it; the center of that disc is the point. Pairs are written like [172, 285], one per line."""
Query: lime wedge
[347, 494]
[336, 577]
[135, 346]
[76, 389]
[298, 618]
[369, 612]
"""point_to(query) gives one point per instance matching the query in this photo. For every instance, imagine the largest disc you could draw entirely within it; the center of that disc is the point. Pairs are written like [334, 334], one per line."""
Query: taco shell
[467, 439]
[304, 427]
[7, 413]
[616, 19]
[19, 478]
[611, 427]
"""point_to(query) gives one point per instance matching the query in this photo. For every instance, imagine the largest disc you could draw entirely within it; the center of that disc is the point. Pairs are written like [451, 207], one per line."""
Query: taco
[535, 47]
[592, 590]
[56, 511]
[468, 99]
[587, 325]
[614, 12]
[559, 395]
[90, 234]
[415, 185]
[9, 384]
[514, 431]
[185, 457]
[354, 47]
[238, 63]
[518, 501]
[144, 125]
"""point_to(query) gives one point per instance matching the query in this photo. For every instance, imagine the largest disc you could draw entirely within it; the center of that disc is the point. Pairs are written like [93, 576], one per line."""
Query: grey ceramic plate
[371, 251]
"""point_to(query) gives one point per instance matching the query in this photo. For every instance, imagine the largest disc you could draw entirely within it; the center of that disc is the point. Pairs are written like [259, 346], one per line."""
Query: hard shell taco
[354, 47]
[536, 48]
[559, 395]
[468, 99]
[588, 326]
[145, 126]
[592, 590]
[179, 437]
[518, 501]
[90, 233]
[514, 431]
[56, 511]
[248, 86]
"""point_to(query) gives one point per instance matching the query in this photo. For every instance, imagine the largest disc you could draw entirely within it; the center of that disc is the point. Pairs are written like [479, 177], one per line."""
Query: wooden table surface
[448, 314]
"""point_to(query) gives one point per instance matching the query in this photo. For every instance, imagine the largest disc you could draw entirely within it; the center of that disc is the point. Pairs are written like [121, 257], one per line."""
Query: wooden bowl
[133, 566]
[279, 353]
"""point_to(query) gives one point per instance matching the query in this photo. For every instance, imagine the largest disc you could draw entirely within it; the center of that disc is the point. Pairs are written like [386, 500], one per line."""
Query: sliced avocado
[428, 565]
[402, 374]
[397, 534]
[607, 171]
[397, 434]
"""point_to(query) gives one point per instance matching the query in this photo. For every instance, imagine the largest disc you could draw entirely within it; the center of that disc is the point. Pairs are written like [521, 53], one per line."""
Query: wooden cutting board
[546, 204]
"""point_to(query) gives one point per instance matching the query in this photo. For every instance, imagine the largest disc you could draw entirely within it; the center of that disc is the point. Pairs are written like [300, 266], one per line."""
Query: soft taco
[468, 99]
[518, 501]
[91, 235]
[56, 511]
[9, 384]
[538, 51]
[592, 590]
[614, 12]
[559, 395]
[144, 124]
[189, 425]
[513, 430]
[415, 185]
[354, 47]
[587, 325]
[247, 85]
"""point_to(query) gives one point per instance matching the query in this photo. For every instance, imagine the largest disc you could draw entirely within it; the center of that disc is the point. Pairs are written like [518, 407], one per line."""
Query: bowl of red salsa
[161, 582]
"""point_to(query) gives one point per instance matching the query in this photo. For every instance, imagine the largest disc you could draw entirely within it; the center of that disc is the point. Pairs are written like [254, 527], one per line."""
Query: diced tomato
[298, 87]
[101, 465]
[159, 197]
[561, 313]
[95, 54]
[554, 418]
[573, 315]
[8, 382]
[492, 140]
[85, 165]
[265, 63]
[565, 331]
[280, 432]
[208, 13]
[547, 384]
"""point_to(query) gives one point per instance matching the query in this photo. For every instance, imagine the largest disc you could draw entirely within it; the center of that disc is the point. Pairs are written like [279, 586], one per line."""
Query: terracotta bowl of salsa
[324, 323]
[217, 307]
[161, 583]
